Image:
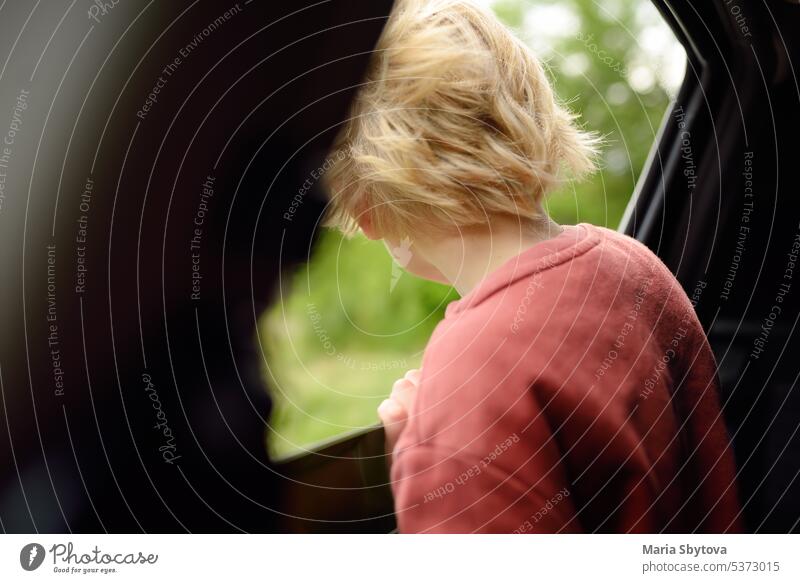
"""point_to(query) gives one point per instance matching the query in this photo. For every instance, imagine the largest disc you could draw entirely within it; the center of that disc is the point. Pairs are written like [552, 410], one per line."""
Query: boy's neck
[465, 259]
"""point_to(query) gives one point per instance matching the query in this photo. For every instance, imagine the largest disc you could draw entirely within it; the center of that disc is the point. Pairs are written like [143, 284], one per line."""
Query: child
[572, 388]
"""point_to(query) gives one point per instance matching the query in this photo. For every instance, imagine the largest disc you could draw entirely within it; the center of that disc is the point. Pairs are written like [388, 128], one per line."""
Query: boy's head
[456, 124]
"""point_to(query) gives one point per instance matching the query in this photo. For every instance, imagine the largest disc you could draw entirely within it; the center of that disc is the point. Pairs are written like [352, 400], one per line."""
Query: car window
[350, 322]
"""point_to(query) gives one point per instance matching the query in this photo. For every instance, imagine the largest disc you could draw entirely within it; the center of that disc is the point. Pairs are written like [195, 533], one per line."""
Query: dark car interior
[717, 206]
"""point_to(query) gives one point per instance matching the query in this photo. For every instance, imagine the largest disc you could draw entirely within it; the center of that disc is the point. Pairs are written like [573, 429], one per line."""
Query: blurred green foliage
[349, 322]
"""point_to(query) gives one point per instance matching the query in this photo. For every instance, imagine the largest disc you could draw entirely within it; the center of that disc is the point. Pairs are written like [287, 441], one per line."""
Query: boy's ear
[365, 223]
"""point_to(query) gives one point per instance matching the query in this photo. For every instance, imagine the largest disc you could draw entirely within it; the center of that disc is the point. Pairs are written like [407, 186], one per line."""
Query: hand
[394, 411]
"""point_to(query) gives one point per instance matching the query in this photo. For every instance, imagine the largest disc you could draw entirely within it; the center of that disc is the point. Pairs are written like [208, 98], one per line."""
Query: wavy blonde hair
[455, 122]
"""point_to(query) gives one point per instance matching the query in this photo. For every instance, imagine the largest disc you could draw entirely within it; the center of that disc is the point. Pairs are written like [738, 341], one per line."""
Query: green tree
[350, 322]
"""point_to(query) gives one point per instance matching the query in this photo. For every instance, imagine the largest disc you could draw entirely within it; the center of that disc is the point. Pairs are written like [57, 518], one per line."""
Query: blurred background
[332, 355]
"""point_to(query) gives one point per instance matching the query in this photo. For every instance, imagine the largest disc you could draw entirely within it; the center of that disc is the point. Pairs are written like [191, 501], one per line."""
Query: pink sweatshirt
[573, 390]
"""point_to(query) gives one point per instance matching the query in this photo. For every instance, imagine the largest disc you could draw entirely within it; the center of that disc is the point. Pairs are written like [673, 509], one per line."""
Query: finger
[403, 392]
[393, 416]
[414, 375]
[390, 411]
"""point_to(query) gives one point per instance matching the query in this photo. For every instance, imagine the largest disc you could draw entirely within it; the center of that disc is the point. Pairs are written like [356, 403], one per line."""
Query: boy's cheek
[421, 268]
[402, 252]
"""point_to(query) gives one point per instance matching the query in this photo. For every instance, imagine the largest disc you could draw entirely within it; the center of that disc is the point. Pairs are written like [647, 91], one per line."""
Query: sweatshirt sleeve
[478, 453]
[438, 491]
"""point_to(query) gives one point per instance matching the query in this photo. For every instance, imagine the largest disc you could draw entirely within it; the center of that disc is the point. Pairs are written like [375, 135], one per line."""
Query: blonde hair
[455, 122]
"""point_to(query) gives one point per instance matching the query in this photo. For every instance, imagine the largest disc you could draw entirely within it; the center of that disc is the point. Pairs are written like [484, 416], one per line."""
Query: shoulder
[638, 257]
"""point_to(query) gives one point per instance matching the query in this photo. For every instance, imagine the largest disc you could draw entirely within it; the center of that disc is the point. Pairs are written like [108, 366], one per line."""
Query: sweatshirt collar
[574, 240]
